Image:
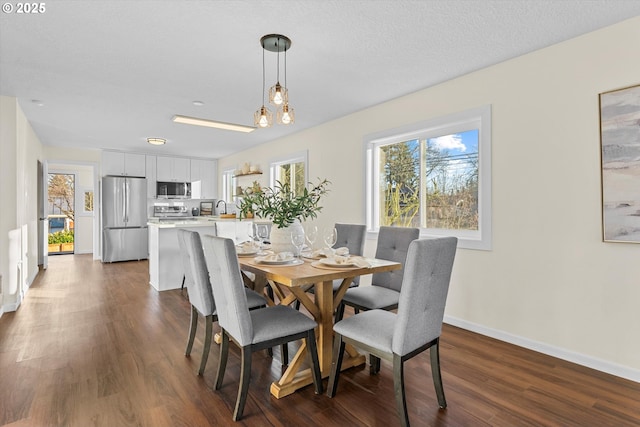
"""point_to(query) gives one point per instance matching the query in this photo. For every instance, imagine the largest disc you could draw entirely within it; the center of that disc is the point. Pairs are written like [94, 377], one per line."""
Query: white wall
[7, 186]
[549, 283]
[20, 151]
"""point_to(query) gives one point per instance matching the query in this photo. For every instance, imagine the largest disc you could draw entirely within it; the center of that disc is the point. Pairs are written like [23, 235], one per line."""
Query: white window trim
[80, 200]
[228, 177]
[479, 118]
[297, 157]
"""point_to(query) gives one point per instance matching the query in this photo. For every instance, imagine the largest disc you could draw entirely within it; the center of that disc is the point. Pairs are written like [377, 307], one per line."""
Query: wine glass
[330, 237]
[263, 233]
[311, 233]
[253, 236]
[297, 238]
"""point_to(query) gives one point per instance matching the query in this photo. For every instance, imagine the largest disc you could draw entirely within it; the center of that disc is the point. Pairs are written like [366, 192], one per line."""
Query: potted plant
[285, 209]
[67, 241]
[54, 242]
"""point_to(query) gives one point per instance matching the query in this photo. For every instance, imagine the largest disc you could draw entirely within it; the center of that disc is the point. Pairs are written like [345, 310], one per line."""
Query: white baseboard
[11, 307]
[561, 353]
[6, 308]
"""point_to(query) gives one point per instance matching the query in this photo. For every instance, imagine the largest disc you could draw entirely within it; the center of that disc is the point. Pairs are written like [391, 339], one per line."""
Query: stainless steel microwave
[173, 190]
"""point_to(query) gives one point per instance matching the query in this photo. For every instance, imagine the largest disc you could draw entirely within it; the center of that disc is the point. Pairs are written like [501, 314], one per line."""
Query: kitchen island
[165, 261]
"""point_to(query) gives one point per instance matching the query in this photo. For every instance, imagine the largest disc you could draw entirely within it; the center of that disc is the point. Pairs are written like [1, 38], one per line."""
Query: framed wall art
[206, 208]
[620, 154]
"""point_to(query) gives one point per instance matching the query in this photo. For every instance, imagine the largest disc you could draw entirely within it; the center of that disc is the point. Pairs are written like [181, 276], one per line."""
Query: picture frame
[206, 208]
[620, 164]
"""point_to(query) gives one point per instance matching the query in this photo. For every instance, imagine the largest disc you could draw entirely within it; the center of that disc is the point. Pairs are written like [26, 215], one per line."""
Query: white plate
[290, 261]
[287, 263]
[319, 264]
[243, 254]
[332, 263]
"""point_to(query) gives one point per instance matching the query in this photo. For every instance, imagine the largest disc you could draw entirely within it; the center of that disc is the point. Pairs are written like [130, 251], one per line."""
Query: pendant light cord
[278, 59]
[263, 98]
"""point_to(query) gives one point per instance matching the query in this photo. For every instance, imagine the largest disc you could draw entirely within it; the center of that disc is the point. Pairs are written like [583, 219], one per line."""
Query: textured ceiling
[112, 73]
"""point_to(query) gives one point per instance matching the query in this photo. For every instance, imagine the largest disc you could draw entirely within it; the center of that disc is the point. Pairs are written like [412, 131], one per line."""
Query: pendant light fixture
[263, 117]
[286, 115]
[278, 94]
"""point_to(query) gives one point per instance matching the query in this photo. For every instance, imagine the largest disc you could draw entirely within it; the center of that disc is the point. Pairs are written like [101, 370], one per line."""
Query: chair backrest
[424, 293]
[195, 271]
[228, 288]
[393, 245]
[351, 236]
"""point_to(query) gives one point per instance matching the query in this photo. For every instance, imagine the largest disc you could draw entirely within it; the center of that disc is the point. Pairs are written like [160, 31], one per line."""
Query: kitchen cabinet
[203, 179]
[165, 260]
[123, 164]
[173, 169]
[151, 176]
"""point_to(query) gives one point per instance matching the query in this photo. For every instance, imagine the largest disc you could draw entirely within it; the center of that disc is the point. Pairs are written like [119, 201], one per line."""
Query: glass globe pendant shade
[278, 95]
[286, 116]
[263, 117]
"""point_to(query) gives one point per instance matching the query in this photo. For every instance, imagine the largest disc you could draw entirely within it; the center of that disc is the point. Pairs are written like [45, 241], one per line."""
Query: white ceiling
[112, 73]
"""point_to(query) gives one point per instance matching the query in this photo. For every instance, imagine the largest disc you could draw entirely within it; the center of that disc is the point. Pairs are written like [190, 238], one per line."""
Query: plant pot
[281, 237]
[54, 247]
[67, 247]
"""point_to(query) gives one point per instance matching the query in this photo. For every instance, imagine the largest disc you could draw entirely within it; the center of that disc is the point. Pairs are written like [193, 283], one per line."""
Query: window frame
[475, 118]
[82, 192]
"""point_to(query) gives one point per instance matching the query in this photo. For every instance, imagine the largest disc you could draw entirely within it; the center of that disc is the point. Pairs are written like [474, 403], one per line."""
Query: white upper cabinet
[123, 164]
[203, 179]
[173, 169]
[151, 176]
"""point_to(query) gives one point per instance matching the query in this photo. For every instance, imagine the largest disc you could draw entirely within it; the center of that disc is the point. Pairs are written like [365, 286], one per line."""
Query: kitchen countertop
[198, 221]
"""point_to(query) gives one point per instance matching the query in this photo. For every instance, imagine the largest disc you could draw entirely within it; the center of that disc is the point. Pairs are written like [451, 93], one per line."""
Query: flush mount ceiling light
[278, 94]
[156, 141]
[212, 124]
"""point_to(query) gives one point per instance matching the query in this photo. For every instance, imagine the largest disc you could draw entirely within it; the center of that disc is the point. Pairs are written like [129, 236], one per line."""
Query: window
[435, 175]
[87, 201]
[290, 170]
[228, 185]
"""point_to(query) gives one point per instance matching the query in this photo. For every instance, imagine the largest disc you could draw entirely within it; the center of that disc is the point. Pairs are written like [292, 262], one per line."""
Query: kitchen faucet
[225, 206]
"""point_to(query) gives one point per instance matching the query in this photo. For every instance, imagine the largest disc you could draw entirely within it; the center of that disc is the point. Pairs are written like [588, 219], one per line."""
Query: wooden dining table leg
[324, 301]
[322, 311]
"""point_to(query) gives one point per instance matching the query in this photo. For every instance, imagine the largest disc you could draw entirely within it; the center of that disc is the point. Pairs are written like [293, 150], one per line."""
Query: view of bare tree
[61, 194]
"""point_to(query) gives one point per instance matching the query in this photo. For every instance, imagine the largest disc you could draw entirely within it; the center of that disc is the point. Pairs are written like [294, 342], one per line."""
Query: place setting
[328, 257]
[280, 259]
[257, 245]
[341, 262]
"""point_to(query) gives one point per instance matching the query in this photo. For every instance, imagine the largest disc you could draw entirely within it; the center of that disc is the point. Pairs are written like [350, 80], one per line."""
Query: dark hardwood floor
[94, 345]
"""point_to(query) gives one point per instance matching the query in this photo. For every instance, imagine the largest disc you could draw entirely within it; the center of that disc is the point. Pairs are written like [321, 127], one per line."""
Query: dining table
[290, 282]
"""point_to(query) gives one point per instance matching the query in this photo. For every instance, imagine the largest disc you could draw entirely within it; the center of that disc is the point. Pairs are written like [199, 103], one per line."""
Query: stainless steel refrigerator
[124, 219]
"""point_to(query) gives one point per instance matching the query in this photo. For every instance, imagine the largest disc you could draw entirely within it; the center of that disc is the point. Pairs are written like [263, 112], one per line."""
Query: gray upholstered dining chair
[251, 330]
[352, 237]
[416, 326]
[200, 293]
[384, 292]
